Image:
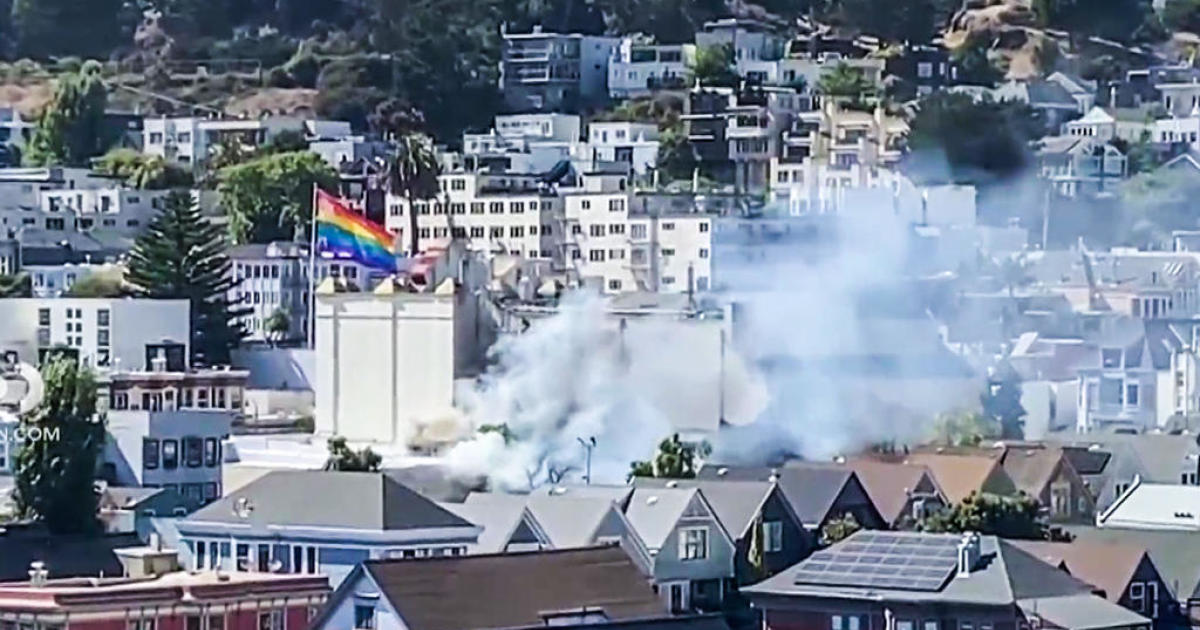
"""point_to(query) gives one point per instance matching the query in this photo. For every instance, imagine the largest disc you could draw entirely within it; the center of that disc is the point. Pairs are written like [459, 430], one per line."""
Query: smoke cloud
[832, 349]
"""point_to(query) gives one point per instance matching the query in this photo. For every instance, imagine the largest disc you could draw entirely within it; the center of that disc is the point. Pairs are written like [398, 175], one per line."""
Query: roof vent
[558, 490]
[1094, 447]
[840, 459]
[672, 484]
[651, 500]
[774, 476]
[968, 553]
[722, 471]
[38, 573]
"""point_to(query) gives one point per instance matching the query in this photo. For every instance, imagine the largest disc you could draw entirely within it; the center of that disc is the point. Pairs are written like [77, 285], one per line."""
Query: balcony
[527, 54]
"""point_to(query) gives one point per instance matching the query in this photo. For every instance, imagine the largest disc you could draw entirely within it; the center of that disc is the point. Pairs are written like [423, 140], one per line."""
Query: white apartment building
[123, 211]
[106, 332]
[635, 144]
[14, 129]
[637, 68]
[621, 242]
[756, 45]
[497, 213]
[165, 429]
[187, 141]
[21, 191]
[274, 277]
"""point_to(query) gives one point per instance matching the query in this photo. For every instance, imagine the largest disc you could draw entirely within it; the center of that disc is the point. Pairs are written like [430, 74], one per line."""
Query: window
[216, 622]
[614, 285]
[242, 560]
[904, 624]
[199, 561]
[772, 536]
[693, 543]
[140, 624]
[616, 205]
[667, 251]
[149, 452]
[211, 492]
[836, 622]
[585, 204]
[668, 280]
[596, 230]
[616, 254]
[616, 228]
[476, 231]
[193, 451]
[364, 617]
[170, 454]
[1188, 479]
[929, 625]
[516, 231]
[924, 70]
[1137, 597]
[458, 184]
[516, 207]
[496, 207]
[668, 226]
[211, 450]
[704, 226]
[423, 232]
[102, 338]
[476, 207]
[192, 622]
[1131, 394]
[458, 207]
[496, 232]
[102, 317]
[703, 252]
[43, 317]
[596, 255]
[270, 620]
[637, 231]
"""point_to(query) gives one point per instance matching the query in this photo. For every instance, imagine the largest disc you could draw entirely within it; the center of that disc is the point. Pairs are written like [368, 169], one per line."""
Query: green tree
[1017, 516]
[954, 138]
[1001, 400]
[16, 286]
[845, 83]
[270, 198]
[974, 62]
[181, 255]
[676, 160]
[141, 171]
[1182, 15]
[346, 459]
[713, 66]
[964, 428]
[55, 476]
[70, 130]
[99, 285]
[412, 174]
[45, 28]
[839, 529]
[278, 325]
[675, 460]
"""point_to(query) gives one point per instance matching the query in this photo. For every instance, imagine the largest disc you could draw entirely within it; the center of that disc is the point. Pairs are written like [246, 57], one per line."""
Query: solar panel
[891, 560]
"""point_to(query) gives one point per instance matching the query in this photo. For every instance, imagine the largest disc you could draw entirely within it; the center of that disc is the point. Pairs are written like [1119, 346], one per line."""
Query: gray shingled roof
[736, 503]
[350, 500]
[1004, 575]
[811, 490]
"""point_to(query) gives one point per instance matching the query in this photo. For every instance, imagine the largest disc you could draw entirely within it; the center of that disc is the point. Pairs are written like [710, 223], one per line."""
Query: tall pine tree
[181, 255]
[56, 465]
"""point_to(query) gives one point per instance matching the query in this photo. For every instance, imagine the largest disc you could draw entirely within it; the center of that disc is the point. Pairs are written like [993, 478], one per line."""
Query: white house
[118, 210]
[21, 192]
[188, 140]
[635, 144]
[106, 332]
[638, 68]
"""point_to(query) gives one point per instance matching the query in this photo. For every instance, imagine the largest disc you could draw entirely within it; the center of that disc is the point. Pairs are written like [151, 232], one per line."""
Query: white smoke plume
[841, 354]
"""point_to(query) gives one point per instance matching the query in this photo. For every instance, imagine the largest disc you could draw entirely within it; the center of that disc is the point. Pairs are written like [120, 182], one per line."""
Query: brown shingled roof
[1031, 469]
[1107, 566]
[889, 483]
[958, 475]
[513, 589]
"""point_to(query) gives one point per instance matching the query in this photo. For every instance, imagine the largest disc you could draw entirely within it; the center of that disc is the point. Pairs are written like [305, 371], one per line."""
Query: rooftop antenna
[587, 445]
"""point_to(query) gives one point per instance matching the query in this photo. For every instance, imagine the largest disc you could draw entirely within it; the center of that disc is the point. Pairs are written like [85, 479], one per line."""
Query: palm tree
[845, 82]
[413, 173]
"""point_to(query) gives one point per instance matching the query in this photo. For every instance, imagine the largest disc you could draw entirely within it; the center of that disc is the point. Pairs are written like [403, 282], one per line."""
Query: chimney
[38, 573]
[159, 362]
[968, 553]
[151, 561]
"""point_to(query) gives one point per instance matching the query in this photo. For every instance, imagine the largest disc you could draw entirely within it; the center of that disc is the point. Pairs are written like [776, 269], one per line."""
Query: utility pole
[587, 445]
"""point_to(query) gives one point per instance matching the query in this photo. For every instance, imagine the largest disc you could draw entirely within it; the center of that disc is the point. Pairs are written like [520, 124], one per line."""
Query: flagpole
[312, 274]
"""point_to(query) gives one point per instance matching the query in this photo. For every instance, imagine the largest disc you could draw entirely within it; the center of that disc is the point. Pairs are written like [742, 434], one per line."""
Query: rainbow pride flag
[344, 233]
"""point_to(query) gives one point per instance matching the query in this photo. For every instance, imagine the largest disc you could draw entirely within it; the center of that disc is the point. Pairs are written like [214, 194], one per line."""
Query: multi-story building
[638, 67]
[105, 332]
[21, 190]
[736, 133]
[56, 279]
[756, 45]
[165, 427]
[631, 143]
[554, 72]
[622, 242]
[1077, 166]
[494, 212]
[154, 593]
[273, 277]
[122, 211]
[187, 141]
